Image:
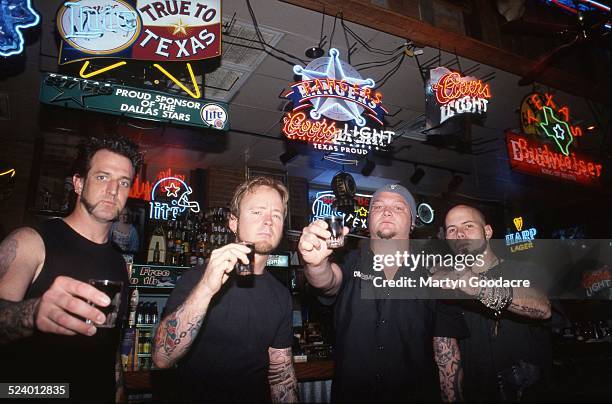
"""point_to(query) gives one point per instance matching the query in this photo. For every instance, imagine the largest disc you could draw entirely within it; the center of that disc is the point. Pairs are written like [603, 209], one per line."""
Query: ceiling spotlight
[314, 52]
[417, 176]
[454, 183]
[368, 167]
[287, 156]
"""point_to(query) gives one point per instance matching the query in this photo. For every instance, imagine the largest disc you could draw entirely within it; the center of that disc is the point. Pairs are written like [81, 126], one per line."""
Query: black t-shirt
[229, 360]
[484, 354]
[87, 363]
[384, 340]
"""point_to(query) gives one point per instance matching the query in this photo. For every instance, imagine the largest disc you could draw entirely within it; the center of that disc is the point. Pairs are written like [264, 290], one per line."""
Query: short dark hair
[120, 145]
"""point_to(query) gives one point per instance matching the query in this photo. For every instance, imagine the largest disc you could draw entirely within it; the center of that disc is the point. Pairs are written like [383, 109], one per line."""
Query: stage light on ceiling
[368, 167]
[417, 176]
[287, 156]
[314, 52]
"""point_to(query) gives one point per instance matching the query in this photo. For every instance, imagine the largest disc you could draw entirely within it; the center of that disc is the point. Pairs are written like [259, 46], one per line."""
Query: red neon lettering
[535, 158]
[536, 101]
[565, 113]
[549, 101]
[297, 126]
[452, 86]
[531, 118]
[576, 131]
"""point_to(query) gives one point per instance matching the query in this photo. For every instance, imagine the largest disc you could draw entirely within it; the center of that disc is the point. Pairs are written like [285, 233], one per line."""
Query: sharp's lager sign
[114, 99]
[152, 30]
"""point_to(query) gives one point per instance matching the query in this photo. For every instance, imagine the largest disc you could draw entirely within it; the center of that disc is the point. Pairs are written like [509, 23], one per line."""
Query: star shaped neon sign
[172, 190]
[557, 129]
[339, 109]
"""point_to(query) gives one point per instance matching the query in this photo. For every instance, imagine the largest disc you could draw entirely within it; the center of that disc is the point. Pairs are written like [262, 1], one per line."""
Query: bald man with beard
[507, 354]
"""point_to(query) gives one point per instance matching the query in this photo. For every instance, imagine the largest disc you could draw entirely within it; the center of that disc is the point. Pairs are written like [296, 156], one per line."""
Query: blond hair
[250, 186]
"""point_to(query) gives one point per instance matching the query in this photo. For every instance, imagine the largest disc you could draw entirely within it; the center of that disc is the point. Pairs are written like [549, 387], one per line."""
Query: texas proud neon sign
[331, 107]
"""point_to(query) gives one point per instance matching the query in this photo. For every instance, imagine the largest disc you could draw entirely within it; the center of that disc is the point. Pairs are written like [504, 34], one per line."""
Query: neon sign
[142, 189]
[175, 196]
[15, 15]
[541, 115]
[333, 94]
[449, 94]
[322, 206]
[520, 240]
[142, 30]
[534, 157]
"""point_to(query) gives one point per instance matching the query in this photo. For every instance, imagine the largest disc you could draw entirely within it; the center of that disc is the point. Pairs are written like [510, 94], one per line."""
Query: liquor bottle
[139, 314]
[147, 313]
[156, 259]
[170, 235]
[133, 308]
[155, 315]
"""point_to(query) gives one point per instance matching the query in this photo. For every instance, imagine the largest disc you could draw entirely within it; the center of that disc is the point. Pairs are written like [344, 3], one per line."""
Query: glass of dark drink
[113, 290]
[246, 269]
[334, 226]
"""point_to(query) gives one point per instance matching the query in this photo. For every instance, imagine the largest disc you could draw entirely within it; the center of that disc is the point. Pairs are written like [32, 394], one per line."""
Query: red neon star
[172, 189]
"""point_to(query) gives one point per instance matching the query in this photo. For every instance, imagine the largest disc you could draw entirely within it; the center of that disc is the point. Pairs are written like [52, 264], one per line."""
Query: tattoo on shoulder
[8, 252]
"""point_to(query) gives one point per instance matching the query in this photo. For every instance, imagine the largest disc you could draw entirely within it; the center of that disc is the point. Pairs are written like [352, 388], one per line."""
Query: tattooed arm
[177, 331]
[448, 359]
[281, 376]
[530, 303]
[22, 255]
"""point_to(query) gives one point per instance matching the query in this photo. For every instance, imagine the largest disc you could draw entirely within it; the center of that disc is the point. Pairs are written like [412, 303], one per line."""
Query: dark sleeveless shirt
[87, 363]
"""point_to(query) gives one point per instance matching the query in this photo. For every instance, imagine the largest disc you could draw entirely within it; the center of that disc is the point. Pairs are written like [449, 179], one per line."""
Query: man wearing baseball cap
[384, 344]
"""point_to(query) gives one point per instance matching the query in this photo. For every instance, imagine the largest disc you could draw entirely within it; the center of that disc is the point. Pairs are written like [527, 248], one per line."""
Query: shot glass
[334, 226]
[113, 290]
[246, 269]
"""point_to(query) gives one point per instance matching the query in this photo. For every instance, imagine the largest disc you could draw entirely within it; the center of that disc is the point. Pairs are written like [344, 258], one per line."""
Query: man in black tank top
[44, 336]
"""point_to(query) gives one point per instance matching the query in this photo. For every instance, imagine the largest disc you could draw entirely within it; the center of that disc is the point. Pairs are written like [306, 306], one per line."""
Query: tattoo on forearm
[174, 336]
[529, 311]
[8, 252]
[448, 359]
[281, 376]
[17, 319]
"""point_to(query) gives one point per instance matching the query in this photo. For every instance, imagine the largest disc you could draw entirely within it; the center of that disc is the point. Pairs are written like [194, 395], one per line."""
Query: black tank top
[87, 363]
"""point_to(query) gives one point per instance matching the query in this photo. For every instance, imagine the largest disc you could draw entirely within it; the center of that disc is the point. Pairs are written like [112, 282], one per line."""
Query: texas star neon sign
[323, 206]
[541, 115]
[176, 189]
[15, 15]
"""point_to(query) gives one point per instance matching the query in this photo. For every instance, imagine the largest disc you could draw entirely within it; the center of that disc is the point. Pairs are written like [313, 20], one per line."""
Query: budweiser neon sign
[533, 157]
[331, 107]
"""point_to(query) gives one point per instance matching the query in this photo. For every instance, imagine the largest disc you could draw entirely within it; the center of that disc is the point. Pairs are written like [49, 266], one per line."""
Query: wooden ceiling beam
[423, 34]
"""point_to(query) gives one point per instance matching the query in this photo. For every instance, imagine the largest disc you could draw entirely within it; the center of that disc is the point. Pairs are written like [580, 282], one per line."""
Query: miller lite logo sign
[152, 30]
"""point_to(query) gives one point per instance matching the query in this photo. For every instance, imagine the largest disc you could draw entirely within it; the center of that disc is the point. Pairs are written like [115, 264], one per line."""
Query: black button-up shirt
[384, 349]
